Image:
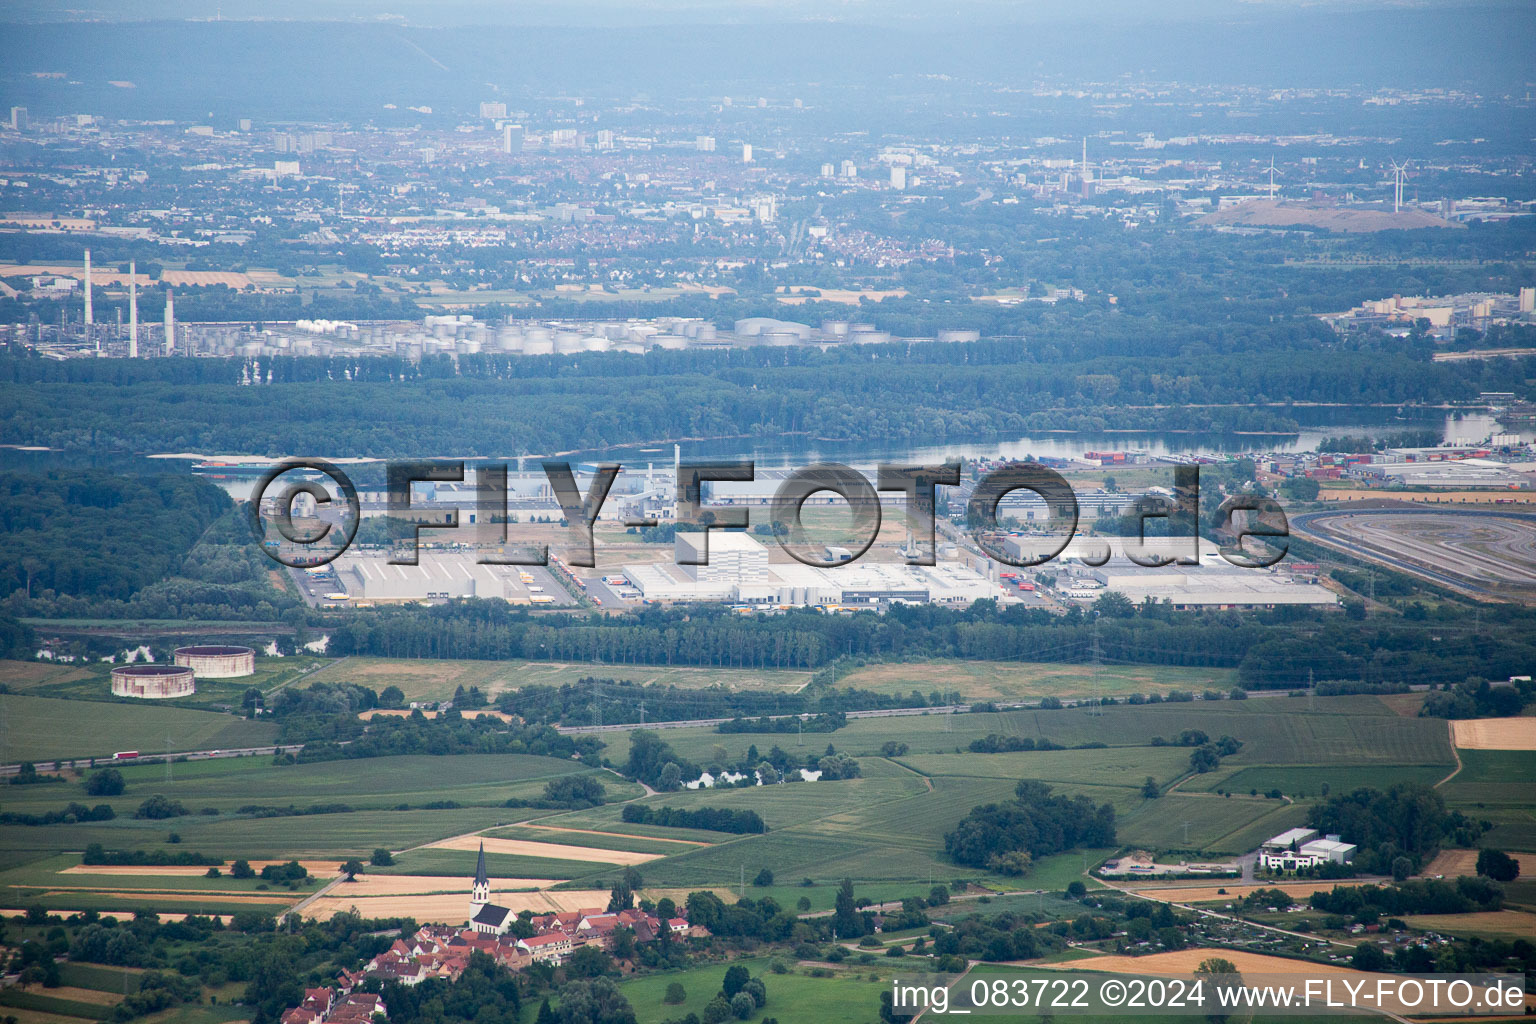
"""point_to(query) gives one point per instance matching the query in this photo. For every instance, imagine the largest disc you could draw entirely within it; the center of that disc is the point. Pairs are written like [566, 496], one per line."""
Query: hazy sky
[618, 12]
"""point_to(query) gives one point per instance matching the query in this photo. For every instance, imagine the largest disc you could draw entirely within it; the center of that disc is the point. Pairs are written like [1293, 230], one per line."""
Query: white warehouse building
[1301, 848]
[739, 572]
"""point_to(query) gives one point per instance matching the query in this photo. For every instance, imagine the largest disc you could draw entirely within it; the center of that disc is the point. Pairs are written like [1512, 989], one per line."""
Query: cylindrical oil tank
[567, 342]
[217, 662]
[954, 334]
[153, 682]
[597, 343]
[869, 337]
[834, 328]
[538, 343]
[670, 342]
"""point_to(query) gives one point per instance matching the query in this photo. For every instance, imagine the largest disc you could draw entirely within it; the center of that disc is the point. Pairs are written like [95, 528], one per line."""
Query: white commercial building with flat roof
[1301, 848]
[739, 572]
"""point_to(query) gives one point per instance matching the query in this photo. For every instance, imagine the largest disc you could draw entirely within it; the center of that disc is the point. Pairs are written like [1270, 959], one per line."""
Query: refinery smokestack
[170, 321]
[90, 316]
[133, 311]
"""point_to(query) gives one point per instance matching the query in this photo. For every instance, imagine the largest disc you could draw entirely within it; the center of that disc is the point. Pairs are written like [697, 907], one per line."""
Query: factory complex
[739, 573]
[1214, 583]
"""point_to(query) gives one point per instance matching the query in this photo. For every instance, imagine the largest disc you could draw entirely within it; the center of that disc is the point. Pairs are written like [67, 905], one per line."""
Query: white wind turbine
[1272, 177]
[1399, 175]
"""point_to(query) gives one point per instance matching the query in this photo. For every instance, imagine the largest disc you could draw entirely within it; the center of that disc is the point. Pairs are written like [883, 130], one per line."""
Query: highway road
[190, 755]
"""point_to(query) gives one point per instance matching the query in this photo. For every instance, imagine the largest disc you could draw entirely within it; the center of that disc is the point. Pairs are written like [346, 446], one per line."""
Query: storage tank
[153, 682]
[778, 339]
[957, 334]
[597, 343]
[538, 342]
[509, 339]
[869, 337]
[633, 348]
[835, 328]
[670, 342]
[567, 342]
[217, 662]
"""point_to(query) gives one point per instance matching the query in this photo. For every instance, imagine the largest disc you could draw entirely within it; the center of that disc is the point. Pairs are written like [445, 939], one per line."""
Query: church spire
[481, 893]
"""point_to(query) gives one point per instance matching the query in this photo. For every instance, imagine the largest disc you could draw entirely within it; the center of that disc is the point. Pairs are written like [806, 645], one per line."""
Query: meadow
[45, 728]
[885, 830]
[1308, 782]
[847, 997]
[92, 681]
[1018, 680]
[1274, 731]
[434, 680]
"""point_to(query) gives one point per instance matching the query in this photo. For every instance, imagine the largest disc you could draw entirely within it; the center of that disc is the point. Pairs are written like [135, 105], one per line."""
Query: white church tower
[480, 895]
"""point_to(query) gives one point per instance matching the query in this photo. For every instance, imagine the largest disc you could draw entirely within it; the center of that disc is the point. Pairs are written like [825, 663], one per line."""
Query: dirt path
[1451, 727]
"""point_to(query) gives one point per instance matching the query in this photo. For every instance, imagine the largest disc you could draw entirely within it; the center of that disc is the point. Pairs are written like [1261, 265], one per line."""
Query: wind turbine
[1399, 173]
[1271, 177]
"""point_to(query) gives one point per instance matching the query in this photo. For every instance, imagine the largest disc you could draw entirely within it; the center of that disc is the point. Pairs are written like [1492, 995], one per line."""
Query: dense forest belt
[500, 405]
[1280, 649]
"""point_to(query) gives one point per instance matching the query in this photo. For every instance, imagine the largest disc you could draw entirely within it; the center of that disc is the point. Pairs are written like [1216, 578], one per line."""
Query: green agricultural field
[1111, 766]
[1274, 730]
[93, 681]
[598, 841]
[1214, 824]
[226, 784]
[431, 680]
[1018, 680]
[1309, 782]
[54, 873]
[848, 997]
[42, 728]
[866, 829]
[460, 864]
[1494, 778]
[320, 836]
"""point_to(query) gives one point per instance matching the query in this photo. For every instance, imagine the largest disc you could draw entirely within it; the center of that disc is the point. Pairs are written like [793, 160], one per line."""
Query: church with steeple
[485, 917]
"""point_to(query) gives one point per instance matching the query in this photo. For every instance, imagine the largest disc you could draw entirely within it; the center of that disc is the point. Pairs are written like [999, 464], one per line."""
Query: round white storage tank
[467, 347]
[214, 662]
[834, 328]
[153, 682]
[597, 343]
[633, 348]
[870, 337]
[538, 343]
[778, 338]
[509, 339]
[955, 334]
[706, 332]
[567, 342]
[670, 342]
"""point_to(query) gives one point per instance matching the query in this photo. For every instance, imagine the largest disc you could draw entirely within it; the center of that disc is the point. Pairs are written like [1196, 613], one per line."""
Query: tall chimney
[90, 316]
[170, 321]
[133, 311]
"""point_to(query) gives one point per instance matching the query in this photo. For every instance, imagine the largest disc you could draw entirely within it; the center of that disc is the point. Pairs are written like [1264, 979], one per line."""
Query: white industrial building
[1214, 583]
[1301, 848]
[1454, 473]
[440, 576]
[739, 572]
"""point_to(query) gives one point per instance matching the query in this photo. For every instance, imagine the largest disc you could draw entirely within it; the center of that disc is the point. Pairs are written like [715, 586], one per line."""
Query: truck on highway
[125, 755]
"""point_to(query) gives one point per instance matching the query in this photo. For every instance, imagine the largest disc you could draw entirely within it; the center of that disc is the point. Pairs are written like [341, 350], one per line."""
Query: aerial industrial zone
[412, 605]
